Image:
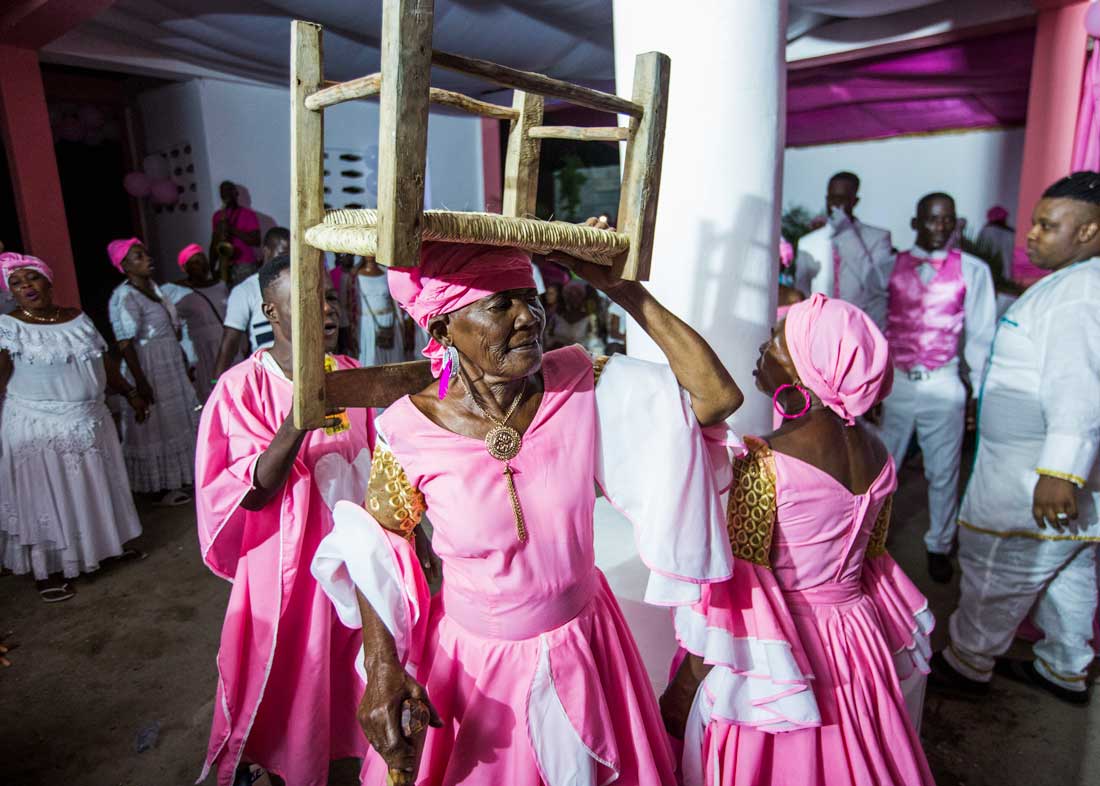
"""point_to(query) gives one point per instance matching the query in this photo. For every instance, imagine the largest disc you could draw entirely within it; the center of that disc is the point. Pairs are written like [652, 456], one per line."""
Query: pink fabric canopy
[966, 84]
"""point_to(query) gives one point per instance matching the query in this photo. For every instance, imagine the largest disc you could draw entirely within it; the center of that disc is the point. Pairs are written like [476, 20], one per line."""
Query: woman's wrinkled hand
[388, 687]
[605, 278]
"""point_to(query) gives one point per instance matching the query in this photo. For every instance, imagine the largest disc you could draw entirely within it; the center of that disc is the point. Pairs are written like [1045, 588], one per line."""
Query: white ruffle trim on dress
[57, 343]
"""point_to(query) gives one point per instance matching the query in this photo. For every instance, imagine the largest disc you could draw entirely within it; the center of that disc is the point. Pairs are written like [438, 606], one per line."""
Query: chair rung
[371, 85]
[612, 134]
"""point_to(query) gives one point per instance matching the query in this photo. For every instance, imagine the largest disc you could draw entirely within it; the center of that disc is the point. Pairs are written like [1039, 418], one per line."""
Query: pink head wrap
[995, 214]
[10, 262]
[839, 354]
[118, 249]
[453, 275]
[786, 252]
[185, 253]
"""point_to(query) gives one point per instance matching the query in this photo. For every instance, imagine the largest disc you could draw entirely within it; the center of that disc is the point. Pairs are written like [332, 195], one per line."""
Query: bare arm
[117, 383]
[376, 386]
[129, 354]
[229, 350]
[6, 369]
[274, 465]
[677, 699]
[388, 687]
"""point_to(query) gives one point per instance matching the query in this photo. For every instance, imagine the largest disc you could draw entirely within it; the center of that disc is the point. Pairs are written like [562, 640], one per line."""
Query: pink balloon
[1092, 20]
[137, 185]
[164, 192]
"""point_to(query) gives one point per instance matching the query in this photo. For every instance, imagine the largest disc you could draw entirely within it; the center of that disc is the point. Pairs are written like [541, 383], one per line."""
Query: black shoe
[1024, 671]
[945, 679]
[940, 568]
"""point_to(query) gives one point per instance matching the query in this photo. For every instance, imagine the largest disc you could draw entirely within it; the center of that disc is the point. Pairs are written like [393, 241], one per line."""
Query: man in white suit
[847, 258]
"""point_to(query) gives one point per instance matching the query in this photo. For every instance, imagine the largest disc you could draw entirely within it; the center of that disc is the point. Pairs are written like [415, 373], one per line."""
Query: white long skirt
[65, 505]
[160, 453]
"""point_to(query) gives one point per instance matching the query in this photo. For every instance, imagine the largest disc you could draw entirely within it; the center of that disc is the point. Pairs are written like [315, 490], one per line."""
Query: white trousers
[1002, 579]
[936, 409]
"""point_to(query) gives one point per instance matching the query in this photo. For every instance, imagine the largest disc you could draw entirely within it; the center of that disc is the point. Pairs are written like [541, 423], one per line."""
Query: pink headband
[786, 253]
[454, 275]
[118, 249]
[839, 354]
[10, 262]
[186, 253]
[996, 213]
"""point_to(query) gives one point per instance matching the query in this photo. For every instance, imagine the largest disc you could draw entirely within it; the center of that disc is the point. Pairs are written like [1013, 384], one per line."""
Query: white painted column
[715, 259]
[716, 252]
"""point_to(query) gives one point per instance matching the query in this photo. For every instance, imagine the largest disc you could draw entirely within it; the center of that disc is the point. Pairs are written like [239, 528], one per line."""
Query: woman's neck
[44, 309]
[141, 282]
[199, 283]
[495, 396]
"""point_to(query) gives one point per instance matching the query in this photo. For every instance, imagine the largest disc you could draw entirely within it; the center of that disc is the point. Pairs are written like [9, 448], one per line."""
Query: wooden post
[642, 163]
[307, 210]
[403, 128]
[521, 162]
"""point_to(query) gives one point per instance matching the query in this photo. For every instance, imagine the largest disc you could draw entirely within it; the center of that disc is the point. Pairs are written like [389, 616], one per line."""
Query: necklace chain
[507, 415]
[56, 315]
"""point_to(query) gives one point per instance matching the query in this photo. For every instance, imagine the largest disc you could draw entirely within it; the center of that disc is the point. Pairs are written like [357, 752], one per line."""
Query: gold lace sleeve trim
[750, 516]
[598, 363]
[876, 546]
[391, 499]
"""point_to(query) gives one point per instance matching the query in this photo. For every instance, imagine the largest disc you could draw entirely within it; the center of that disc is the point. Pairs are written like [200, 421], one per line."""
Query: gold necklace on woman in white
[504, 443]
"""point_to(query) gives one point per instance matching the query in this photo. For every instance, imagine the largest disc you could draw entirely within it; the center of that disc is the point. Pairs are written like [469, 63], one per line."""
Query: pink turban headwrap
[10, 262]
[840, 354]
[995, 214]
[786, 252]
[454, 275]
[118, 249]
[186, 253]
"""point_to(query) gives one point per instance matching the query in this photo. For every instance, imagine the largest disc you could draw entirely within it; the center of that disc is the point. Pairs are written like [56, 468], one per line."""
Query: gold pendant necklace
[504, 443]
[43, 320]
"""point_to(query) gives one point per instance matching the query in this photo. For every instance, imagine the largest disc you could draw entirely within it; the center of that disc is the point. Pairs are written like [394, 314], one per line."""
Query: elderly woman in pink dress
[798, 669]
[523, 663]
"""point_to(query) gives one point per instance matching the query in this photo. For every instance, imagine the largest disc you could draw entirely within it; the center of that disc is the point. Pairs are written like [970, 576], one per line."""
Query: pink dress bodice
[925, 321]
[494, 585]
[822, 529]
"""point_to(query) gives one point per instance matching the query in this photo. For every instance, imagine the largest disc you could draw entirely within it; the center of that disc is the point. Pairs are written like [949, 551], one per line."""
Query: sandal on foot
[131, 554]
[56, 594]
[1024, 671]
[173, 499]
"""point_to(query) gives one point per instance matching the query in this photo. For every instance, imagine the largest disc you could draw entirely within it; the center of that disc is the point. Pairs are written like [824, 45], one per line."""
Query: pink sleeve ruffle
[761, 675]
[907, 622]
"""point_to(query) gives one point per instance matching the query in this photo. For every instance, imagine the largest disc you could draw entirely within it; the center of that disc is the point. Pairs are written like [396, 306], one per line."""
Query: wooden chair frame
[406, 94]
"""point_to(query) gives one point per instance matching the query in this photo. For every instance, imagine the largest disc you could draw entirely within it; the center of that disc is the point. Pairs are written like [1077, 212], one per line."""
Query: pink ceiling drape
[1086, 142]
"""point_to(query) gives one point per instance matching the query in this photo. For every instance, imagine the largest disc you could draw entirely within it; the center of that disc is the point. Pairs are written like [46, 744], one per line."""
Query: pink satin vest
[925, 320]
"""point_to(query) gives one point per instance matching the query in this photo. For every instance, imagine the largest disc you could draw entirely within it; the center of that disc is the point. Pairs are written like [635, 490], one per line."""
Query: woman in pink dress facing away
[799, 667]
[524, 656]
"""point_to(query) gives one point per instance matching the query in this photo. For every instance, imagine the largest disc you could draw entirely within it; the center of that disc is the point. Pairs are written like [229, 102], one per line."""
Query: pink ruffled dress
[524, 652]
[814, 643]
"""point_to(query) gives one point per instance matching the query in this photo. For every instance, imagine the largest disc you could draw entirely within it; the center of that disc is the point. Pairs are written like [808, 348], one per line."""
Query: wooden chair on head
[393, 232]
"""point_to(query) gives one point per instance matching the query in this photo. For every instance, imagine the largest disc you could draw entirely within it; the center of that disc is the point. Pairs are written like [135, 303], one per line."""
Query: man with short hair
[287, 691]
[846, 258]
[940, 321]
[239, 227]
[244, 312]
[1029, 525]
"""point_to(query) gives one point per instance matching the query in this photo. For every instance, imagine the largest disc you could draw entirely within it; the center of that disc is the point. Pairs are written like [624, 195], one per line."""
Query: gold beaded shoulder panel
[750, 515]
[391, 499]
[598, 363]
[876, 546]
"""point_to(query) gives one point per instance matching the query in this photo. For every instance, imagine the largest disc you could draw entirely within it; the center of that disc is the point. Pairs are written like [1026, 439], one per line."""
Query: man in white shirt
[940, 321]
[846, 258]
[243, 312]
[1029, 524]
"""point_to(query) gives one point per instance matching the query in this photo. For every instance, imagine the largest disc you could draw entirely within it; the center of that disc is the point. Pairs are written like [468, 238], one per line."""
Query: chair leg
[521, 163]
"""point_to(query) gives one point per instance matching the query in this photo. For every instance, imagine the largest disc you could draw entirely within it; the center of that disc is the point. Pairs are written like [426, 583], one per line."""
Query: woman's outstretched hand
[606, 278]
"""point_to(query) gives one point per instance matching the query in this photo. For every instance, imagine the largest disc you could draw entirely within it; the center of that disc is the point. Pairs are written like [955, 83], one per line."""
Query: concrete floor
[137, 646]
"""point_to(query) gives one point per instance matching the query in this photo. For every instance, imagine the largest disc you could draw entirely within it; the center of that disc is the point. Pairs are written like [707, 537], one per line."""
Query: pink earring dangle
[450, 369]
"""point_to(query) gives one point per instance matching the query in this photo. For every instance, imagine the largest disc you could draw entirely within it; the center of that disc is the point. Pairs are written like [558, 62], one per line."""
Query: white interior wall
[241, 132]
[979, 168]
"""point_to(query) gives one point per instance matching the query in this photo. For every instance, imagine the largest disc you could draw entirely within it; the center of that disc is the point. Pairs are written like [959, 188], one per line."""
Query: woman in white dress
[200, 302]
[159, 453]
[65, 503]
[381, 337]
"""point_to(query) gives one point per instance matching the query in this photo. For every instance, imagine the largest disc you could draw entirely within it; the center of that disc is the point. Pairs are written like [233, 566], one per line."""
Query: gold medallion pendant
[503, 442]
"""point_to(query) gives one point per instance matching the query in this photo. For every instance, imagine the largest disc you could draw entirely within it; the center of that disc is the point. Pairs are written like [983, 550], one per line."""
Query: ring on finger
[1062, 516]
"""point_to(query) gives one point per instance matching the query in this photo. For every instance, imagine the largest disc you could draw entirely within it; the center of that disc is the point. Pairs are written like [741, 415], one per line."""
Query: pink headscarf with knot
[839, 354]
[454, 275]
[10, 262]
[995, 214]
[786, 252]
[118, 249]
[185, 253]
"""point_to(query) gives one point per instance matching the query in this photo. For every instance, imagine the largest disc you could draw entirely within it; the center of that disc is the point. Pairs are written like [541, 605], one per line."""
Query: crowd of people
[416, 587]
